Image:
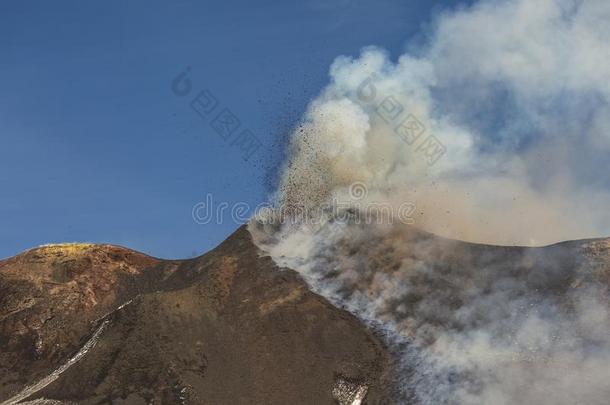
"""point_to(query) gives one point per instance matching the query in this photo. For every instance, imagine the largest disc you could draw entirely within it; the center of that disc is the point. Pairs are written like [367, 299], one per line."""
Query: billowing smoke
[468, 323]
[516, 92]
[497, 129]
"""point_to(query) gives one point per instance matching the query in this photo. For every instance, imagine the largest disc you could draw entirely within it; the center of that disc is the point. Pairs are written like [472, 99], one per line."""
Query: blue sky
[96, 147]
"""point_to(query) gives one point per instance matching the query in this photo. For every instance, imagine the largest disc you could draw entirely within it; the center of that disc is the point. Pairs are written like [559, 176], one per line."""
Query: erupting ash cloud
[517, 94]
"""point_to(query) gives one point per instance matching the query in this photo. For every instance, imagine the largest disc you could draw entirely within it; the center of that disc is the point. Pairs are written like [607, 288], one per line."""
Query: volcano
[93, 324]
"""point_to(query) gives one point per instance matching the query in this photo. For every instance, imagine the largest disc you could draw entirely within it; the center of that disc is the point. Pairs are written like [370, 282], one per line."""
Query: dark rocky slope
[228, 327]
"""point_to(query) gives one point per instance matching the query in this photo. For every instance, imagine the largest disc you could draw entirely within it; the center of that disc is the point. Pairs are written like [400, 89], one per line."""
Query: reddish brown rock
[228, 327]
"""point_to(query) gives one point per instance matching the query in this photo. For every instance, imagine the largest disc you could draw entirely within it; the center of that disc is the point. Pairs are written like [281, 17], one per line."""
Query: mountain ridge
[225, 327]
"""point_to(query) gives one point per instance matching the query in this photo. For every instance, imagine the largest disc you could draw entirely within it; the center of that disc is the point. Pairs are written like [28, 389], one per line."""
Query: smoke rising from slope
[469, 324]
[517, 93]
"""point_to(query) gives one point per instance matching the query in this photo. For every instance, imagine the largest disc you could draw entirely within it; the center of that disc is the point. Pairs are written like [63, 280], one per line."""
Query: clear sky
[96, 147]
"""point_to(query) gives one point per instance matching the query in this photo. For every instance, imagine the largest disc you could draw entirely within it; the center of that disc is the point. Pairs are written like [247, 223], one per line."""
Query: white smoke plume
[468, 323]
[516, 97]
[518, 93]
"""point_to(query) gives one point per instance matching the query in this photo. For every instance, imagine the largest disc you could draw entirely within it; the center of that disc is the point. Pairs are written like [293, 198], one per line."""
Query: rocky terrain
[93, 324]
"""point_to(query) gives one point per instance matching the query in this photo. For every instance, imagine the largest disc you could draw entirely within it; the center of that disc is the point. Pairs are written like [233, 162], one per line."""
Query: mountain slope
[227, 327]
